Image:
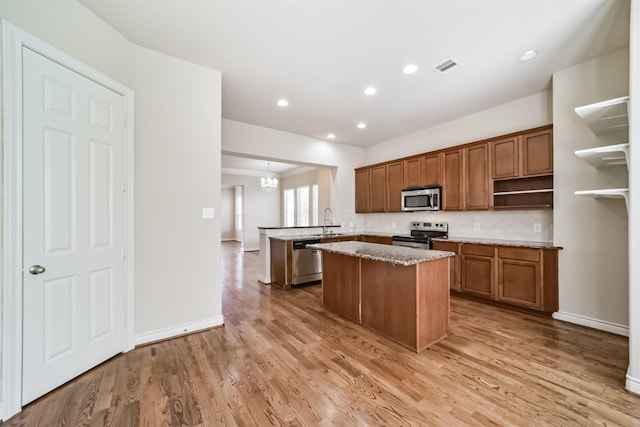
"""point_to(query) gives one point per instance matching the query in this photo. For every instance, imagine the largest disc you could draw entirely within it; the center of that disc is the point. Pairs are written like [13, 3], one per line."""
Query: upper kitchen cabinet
[362, 190]
[452, 183]
[413, 172]
[377, 186]
[526, 154]
[432, 169]
[476, 177]
[395, 184]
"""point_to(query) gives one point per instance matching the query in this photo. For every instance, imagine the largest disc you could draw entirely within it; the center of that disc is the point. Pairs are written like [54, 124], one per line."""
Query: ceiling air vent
[447, 66]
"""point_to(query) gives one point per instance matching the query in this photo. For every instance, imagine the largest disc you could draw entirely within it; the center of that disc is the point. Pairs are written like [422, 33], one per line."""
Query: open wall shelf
[611, 193]
[606, 117]
[602, 157]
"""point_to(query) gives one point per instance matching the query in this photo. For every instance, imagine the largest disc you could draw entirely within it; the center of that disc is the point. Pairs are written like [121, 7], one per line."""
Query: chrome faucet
[324, 223]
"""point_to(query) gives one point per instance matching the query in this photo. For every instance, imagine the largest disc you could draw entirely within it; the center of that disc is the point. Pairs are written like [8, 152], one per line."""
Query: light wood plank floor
[281, 359]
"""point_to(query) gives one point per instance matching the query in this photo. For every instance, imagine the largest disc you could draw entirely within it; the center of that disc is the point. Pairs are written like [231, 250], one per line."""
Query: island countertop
[399, 255]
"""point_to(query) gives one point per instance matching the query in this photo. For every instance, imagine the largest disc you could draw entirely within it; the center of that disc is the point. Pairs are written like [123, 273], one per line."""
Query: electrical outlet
[476, 226]
[537, 228]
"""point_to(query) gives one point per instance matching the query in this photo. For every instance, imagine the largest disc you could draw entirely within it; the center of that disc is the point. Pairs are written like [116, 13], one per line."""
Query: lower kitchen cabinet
[281, 263]
[477, 267]
[455, 261]
[524, 277]
[341, 293]
[384, 240]
[528, 277]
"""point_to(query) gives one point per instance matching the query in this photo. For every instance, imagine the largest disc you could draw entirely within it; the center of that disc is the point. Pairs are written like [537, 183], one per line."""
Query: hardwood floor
[281, 359]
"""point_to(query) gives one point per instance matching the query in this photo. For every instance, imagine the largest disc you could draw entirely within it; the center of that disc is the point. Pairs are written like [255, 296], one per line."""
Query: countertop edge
[385, 253]
[500, 242]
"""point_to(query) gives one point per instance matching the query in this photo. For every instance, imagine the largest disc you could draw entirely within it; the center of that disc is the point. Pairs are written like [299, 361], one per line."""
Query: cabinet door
[413, 172]
[395, 182]
[505, 155]
[362, 191]
[477, 273]
[452, 185]
[520, 276]
[341, 285]
[537, 153]
[476, 177]
[377, 188]
[454, 264]
[432, 169]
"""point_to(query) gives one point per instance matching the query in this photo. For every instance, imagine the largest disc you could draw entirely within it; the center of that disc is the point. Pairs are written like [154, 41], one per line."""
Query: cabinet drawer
[445, 246]
[483, 250]
[525, 254]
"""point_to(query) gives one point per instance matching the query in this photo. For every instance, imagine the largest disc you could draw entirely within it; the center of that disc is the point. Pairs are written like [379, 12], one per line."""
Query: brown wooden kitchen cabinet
[523, 155]
[377, 186]
[477, 186]
[455, 261]
[432, 169]
[384, 240]
[413, 172]
[341, 285]
[477, 267]
[452, 198]
[362, 190]
[281, 263]
[528, 277]
[395, 183]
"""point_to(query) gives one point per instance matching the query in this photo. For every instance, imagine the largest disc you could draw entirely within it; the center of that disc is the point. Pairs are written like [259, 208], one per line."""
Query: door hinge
[124, 186]
[124, 120]
[124, 253]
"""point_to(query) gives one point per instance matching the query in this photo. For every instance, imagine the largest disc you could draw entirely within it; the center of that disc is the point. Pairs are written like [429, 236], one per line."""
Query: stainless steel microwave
[422, 199]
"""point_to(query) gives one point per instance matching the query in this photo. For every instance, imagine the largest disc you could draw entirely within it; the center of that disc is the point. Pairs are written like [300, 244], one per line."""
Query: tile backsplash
[508, 225]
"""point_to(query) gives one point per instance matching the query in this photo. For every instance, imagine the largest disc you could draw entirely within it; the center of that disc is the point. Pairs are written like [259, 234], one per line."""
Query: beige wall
[177, 173]
[172, 183]
[593, 267]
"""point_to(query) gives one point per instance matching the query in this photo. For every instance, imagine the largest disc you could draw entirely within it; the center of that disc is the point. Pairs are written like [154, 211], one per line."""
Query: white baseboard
[164, 334]
[250, 249]
[602, 325]
[633, 384]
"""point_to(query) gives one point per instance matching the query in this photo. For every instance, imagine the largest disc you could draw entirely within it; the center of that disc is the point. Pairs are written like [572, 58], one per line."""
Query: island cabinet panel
[454, 273]
[395, 184]
[433, 313]
[432, 169]
[477, 270]
[476, 177]
[341, 285]
[452, 184]
[362, 191]
[388, 296]
[281, 265]
[377, 186]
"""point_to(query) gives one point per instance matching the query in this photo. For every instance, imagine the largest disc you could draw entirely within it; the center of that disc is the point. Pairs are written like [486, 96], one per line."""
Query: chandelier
[268, 183]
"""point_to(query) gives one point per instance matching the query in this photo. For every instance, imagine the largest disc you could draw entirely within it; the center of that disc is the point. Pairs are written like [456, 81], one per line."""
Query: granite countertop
[296, 237]
[399, 255]
[301, 226]
[500, 242]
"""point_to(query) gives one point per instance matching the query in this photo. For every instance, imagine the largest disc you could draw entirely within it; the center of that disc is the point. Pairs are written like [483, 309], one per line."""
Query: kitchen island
[400, 292]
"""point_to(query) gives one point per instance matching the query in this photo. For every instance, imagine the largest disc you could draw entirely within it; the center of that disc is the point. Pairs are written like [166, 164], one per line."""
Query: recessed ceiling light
[362, 125]
[331, 136]
[282, 102]
[370, 90]
[410, 69]
[530, 54]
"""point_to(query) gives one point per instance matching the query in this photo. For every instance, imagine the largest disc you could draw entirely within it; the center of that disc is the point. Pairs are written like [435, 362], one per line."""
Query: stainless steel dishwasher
[307, 262]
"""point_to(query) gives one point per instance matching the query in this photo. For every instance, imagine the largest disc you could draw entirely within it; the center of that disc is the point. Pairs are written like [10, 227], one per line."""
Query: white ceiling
[320, 55]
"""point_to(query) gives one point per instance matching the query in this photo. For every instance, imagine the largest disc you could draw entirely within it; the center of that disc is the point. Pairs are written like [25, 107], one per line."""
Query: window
[289, 207]
[302, 204]
[314, 204]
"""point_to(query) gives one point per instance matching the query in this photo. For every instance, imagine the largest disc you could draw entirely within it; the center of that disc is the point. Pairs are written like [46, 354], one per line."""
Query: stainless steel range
[422, 233]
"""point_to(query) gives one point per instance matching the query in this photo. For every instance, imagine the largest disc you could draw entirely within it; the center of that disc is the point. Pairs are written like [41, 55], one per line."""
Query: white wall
[525, 113]
[177, 173]
[245, 139]
[633, 375]
[593, 267]
[260, 209]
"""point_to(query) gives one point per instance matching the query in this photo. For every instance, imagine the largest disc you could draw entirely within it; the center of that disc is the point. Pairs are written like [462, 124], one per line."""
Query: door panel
[73, 225]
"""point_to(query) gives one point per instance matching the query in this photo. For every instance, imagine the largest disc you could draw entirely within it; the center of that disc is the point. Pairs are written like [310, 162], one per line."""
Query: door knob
[37, 269]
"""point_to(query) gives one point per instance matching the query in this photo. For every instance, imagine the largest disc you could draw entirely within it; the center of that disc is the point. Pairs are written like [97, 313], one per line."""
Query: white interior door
[73, 204]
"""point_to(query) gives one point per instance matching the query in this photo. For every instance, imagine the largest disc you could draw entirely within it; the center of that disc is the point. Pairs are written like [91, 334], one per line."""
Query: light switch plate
[207, 213]
[537, 228]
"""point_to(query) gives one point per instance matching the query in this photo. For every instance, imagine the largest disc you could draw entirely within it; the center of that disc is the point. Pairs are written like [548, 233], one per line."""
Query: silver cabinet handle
[37, 269]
